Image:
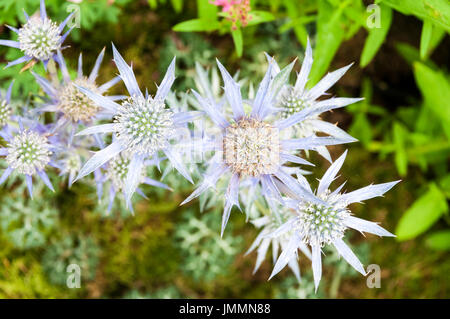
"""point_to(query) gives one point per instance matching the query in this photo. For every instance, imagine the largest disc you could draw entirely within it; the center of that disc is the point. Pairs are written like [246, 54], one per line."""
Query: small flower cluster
[237, 11]
[251, 147]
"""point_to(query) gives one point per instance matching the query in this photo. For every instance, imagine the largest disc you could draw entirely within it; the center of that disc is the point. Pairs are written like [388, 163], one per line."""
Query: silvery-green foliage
[80, 250]
[205, 254]
[26, 223]
[290, 288]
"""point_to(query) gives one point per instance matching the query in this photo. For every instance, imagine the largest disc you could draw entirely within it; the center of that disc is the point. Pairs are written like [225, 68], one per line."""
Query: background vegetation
[167, 251]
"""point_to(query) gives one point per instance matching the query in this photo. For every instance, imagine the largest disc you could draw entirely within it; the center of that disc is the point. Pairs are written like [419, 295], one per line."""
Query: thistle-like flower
[28, 152]
[116, 172]
[297, 99]
[324, 224]
[67, 101]
[250, 146]
[263, 241]
[142, 126]
[5, 107]
[39, 39]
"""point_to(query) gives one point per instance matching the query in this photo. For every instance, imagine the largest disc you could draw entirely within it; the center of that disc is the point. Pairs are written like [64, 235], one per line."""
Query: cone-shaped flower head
[39, 38]
[142, 126]
[28, 152]
[299, 100]
[325, 224]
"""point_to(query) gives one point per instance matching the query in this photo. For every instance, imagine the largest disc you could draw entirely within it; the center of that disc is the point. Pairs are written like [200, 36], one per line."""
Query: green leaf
[238, 41]
[437, 11]
[439, 240]
[401, 159]
[435, 88]
[206, 10]
[444, 184]
[177, 5]
[361, 129]
[196, 25]
[425, 38]
[258, 17]
[330, 35]
[376, 36]
[423, 213]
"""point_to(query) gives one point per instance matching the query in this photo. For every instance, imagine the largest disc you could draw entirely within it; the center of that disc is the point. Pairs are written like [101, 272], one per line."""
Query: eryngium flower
[116, 173]
[142, 126]
[5, 107]
[27, 152]
[65, 98]
[250, 146]
[263, 241]
[297, 99]
[39, 38]
[324, 224]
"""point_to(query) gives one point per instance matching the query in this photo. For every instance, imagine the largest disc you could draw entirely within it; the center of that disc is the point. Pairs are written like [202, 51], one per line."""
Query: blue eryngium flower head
[5, 107]
[298, 100]
[325, 224]
[72, 106]
[143, 125]
[28, 152]
[250, 145]
[39, 39]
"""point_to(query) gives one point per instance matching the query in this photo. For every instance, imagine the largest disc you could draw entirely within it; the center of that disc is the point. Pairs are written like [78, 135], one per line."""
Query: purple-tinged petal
[302, 77]
[126, 73]
[45, 85]
[106, 86]
[10, 43]
[176, 161]
[184, 117]
[12, 28]
[367, 192]
[63, 38]
[311, 142]
[261, 100]
[6, 174]
[63, 24]
[288, 252]
[63, 67]
[42, 10]
[100, 100]
[348, 255]
[328, 81]
[102, 128]
[46, 180]
[212, 111]
[330, 174]
[300, 191]
[330, 129]
[167, 82]
[18, 61]
[112, 196]
[232, 93]
[94, 72]
[8, 93]
[134, 176]
[261, 253]
[294, 159]
[366, 226]
[316, 264]
[80, 66]
[100, 158]
[208, 181]
[29, 181]
[152, 182]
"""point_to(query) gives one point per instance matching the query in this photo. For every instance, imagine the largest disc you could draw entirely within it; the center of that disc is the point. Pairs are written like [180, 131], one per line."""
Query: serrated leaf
[422, 214]
[438, 11]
